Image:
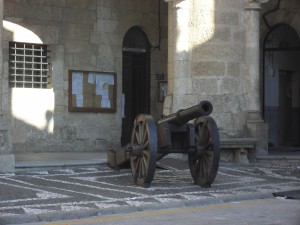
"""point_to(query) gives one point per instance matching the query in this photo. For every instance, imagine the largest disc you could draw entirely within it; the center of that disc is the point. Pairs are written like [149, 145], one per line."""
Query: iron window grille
[28, 65]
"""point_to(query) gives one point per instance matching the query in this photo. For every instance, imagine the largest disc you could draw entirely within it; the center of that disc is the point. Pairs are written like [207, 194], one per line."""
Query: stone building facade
[204, 50]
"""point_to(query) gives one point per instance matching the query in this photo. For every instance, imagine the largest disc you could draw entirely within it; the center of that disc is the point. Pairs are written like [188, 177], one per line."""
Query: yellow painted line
[167, 212]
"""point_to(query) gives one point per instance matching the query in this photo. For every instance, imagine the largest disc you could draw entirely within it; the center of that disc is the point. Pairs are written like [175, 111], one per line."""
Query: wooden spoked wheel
[204, 164]
[144, 149]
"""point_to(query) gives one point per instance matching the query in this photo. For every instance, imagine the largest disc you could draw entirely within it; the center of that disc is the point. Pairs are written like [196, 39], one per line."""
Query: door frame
[136, 56]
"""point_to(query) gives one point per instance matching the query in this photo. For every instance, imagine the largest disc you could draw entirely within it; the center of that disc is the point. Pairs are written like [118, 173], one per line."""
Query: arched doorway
[135, 78]
[282, 87]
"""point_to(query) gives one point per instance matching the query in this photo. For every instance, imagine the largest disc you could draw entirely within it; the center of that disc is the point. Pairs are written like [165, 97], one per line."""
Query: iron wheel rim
[205, 163]
[143, 164]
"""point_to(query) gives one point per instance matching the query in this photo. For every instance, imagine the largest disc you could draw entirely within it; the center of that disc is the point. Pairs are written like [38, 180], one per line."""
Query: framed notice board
[92, 91]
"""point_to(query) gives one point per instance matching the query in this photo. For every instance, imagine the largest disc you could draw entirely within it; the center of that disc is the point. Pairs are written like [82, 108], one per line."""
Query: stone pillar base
[241, 156]
[256, 127]
[7, 163]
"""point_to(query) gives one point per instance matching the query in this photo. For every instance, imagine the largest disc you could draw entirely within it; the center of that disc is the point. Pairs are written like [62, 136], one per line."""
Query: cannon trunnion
[150, 141]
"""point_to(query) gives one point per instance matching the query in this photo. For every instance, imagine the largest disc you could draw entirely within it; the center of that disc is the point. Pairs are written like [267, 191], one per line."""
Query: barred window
[28, 65]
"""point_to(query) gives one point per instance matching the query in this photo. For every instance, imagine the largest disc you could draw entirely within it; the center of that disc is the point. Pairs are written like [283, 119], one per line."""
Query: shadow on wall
[31, 110]
[34, 124]
[213, 52]
[28, 104]
[215, 58]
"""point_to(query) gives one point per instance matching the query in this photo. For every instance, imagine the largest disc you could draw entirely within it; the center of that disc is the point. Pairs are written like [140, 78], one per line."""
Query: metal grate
[28, 65]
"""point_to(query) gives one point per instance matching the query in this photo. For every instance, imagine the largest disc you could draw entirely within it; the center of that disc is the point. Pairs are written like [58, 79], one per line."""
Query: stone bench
[238, 149]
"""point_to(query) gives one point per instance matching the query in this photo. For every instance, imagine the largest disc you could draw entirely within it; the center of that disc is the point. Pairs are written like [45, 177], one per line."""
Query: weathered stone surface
[228, 18]
[104, 13]
[106, 26]
[82, 35]
[183, 86]
[208, 68]
[79, 16]
[216, 37]
[76, 32]
[61, 3]
[7, 163]
[205, 86]
[210, 57]
[233, 69]
[183, 69]
[227, 53]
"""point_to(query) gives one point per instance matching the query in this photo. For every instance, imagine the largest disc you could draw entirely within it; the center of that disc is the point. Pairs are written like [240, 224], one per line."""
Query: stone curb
[73, 215]
[60, 163]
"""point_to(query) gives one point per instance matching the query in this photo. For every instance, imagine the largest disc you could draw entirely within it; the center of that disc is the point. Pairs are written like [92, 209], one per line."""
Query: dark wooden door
[136, 90]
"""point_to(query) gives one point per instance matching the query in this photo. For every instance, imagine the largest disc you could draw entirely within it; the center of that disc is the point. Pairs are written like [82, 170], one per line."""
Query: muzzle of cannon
[150, 141]
[183, 116]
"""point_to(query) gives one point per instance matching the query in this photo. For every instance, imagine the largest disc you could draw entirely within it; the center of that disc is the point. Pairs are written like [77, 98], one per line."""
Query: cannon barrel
[182, 116]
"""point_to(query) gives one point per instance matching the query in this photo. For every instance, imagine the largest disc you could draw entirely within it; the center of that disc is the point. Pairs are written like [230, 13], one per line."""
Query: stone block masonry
[80, 35]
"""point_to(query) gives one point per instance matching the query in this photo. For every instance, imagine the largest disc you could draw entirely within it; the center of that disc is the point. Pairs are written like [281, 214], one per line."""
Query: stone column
[179, 58]
[7, 160]
[252, 54]
[255, 124]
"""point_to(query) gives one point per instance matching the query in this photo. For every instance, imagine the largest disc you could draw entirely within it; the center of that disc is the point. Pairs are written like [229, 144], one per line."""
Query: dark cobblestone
[56, 191]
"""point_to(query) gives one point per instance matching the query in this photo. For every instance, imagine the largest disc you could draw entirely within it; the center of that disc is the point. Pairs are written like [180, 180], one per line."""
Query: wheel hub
[200, 150]
[137, 150]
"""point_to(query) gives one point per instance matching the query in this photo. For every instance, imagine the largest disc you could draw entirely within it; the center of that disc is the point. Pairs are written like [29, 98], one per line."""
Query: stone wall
[287, 13]
[212, 65]
[81, 35]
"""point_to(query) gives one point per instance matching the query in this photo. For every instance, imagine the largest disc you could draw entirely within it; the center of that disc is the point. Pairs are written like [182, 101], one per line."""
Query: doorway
[135, 80]
[282, 87]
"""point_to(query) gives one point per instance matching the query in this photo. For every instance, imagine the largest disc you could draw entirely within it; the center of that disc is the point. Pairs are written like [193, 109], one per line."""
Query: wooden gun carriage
[151, 141]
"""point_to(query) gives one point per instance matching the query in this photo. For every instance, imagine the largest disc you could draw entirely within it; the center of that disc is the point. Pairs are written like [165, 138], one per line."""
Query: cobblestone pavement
[33, 196]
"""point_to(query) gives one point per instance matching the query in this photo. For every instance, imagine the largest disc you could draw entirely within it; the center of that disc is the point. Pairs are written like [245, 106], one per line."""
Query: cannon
[151, 141]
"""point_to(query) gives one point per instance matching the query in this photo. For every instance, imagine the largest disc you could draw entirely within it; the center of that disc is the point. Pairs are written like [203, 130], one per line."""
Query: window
[28, 65]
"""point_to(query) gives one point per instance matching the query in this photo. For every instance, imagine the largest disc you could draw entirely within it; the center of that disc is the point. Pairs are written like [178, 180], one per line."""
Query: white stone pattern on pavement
[63, 190]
